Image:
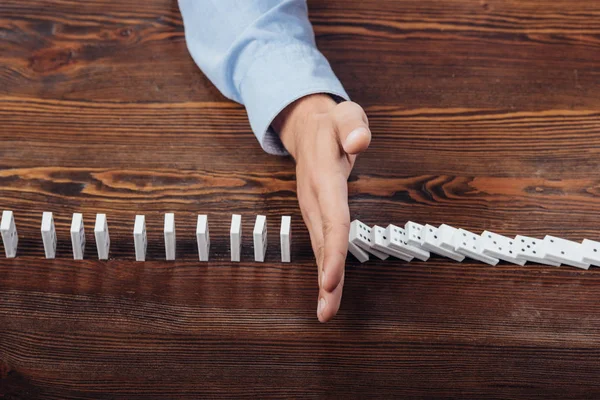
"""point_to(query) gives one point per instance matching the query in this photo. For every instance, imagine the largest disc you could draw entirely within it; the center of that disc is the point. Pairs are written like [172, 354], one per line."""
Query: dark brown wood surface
[485, 114]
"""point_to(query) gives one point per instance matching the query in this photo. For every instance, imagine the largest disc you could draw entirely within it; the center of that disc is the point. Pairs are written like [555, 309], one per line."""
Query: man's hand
[324, 138]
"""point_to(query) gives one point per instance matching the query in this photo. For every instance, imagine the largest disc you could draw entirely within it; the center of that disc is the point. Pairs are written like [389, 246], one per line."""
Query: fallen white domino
[381, 241]
[358, 253]
[235, 235]
[10, 237]
[48, 235]
[78, 236]
[398, 241]
[260, 238]
[564, 251]
[170, 240]
[415, 236]
[285, 236]
[432, 243]
[591, 252]
[502, 247]
[360, 235]
[532, 250]
[102, 236]
[469, 244]
[203, 237]
[446, 236]
[139, 238]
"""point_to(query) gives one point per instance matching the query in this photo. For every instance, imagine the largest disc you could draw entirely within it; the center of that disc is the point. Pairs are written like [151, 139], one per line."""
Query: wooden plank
[485, 114]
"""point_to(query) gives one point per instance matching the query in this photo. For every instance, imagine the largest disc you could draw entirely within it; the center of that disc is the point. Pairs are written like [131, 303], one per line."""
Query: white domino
[139, 238]
[360, 235]
[285, 236]
[381, 241]
[415, 236]
[78, 236]
[469, 244]
[501, 247]
[259, 234]
[532, 250]
[446, 236]
[564, 251]
[358, 253]
[48, 235]
[170, 239]
[10, 237]
[102, 237]
[591, 252]
[432, 243]
[398, 241]
[235, 235]
[203, 237]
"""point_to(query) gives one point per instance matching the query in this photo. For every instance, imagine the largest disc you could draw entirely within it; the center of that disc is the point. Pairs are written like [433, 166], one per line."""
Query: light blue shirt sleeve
[260, 53]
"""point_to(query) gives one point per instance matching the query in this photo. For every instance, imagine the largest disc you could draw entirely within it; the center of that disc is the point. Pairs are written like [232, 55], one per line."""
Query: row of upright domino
[10, 237]
[419, 241]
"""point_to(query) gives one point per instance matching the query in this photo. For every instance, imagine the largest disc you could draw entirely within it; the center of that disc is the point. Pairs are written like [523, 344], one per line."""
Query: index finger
[335, 215]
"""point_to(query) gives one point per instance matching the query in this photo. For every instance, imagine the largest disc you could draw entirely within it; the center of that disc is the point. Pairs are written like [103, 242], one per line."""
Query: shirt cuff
[278, 78]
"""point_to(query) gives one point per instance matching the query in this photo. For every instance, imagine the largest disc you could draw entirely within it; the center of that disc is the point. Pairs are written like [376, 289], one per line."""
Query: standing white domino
[139, 238]
[533, 250]
[564, 251]
[381, 241]
[235, 235]
[170, 240]
[469, 244]
[358, 253]
[10, 237]
[397, 240]
[415, 236]
[203, 237]
[591, 252]
[48, 235]
[502, 247]
[360, 235]
[260, 238]
[78, 236]
[432, 243]
[102, 237]
[285, 235]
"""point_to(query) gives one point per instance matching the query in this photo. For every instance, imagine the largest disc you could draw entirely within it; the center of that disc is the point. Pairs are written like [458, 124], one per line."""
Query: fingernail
[321, 306]
[354, 137]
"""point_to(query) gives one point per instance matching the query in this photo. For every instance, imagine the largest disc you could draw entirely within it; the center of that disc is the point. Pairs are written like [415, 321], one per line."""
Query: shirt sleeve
[260, 53]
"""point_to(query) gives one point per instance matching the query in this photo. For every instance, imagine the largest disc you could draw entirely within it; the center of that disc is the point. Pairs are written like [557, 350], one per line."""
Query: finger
[312, 219]
[335, 215]
[318, 244]
[352, 127]
[329, 303]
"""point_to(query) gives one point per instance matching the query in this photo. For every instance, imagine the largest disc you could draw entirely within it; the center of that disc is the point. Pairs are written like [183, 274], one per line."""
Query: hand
[324, 138]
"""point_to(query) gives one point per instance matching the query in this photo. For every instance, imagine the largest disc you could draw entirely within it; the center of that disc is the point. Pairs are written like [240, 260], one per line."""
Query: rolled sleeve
[261, 53]
[278, 78]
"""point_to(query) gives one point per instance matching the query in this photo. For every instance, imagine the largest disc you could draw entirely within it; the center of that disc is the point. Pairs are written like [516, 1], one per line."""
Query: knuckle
[330, 226]
[350, 107]
[350, 110]
[327, 227]
[320, 253]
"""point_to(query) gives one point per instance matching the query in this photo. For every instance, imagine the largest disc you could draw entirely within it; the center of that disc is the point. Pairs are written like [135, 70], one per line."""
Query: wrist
[289, 123]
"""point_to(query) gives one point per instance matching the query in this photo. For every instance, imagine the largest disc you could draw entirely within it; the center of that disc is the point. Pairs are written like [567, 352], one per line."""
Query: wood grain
[486, 115]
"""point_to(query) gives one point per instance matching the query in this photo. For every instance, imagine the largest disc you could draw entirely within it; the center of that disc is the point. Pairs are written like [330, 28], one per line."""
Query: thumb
[352, 127]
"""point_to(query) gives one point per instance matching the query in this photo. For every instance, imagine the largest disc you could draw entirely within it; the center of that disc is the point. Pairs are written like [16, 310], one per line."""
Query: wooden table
[486, 115]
